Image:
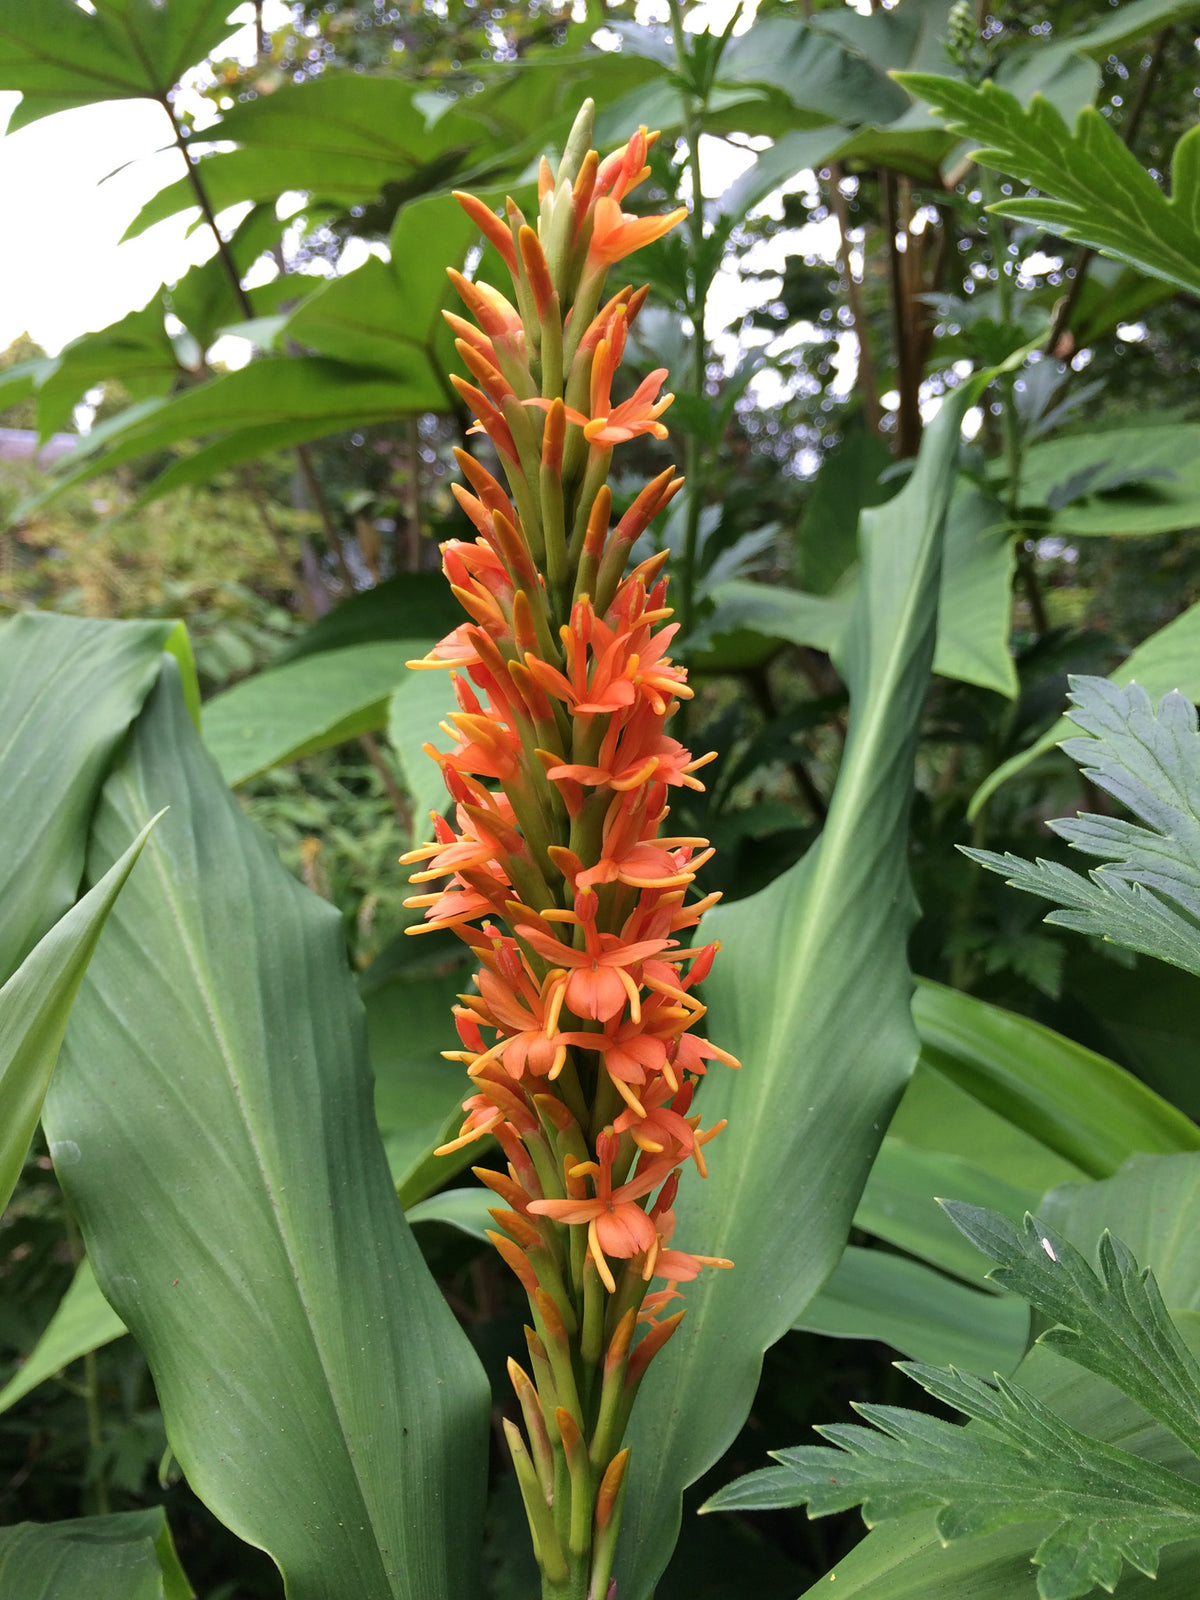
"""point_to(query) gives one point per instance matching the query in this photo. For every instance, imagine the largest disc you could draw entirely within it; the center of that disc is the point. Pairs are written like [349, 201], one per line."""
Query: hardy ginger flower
[579, 1040]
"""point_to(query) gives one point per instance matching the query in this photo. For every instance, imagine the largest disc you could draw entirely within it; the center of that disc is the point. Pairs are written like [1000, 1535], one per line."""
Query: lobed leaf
[59, 55]
[1148, 898]
[1168, 659]
[1114, 1324]
[1099, 194]
[1022, 1464]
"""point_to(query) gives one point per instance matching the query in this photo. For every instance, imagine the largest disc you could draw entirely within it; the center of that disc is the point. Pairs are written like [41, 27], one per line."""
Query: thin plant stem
[700, 280]
[90, 1391]
[233, 277]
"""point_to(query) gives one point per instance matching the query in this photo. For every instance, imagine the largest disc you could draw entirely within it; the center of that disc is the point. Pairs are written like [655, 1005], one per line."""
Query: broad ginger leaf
[1095, 192]
[1146, 896]
[1115, 1324]
[1021, 1463]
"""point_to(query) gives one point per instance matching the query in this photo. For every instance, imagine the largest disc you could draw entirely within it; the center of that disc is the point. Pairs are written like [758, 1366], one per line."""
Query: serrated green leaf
[1168, 659]
[1114, 1324]
[83, 1321]
[129, 1556]
[1148, 898]
[905, 1560]
[1022, 1464]
[1102, 196]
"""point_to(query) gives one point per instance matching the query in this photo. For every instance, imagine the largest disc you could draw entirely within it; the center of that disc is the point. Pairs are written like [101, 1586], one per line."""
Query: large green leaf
[305, 705]
[211, 1124]
[975, 607]
[847, 483]
[1120, 481]
[874, 1294]
[387, 314]
[812, 991]
[275, 401]
[422, 700]
[1168, 659]
[59, 55]
[418, 1095]
[34, 1006]
[899, 1203]
[1145, 1203]
[339, 138]
[69, 689]
[1092, 188]
[412, 605]
[1080, 1104]
[125, 1557]
[136, 350]
[83, 1322]
[1148, 897]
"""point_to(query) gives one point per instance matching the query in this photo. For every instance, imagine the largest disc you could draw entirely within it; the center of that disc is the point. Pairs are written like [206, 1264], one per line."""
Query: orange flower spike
[484, 485]
[490, 225]
[584, 187]
[515, 1258]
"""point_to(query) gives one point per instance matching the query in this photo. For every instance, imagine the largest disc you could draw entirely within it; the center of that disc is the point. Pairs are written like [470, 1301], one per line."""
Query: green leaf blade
[308, 1329]
[780, 1000]
[35, 1005]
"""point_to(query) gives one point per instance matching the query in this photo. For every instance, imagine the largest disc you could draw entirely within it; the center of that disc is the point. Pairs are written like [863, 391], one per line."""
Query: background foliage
[813, 312]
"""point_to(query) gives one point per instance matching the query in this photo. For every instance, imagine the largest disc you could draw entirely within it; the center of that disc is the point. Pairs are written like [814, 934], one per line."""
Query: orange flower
[616, 234]
[617, 1226]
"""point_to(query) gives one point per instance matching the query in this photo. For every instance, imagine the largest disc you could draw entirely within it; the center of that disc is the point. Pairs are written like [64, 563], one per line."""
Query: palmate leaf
[1021, 1464]
[1148, 897]
[1097, 192]
[59, 55]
